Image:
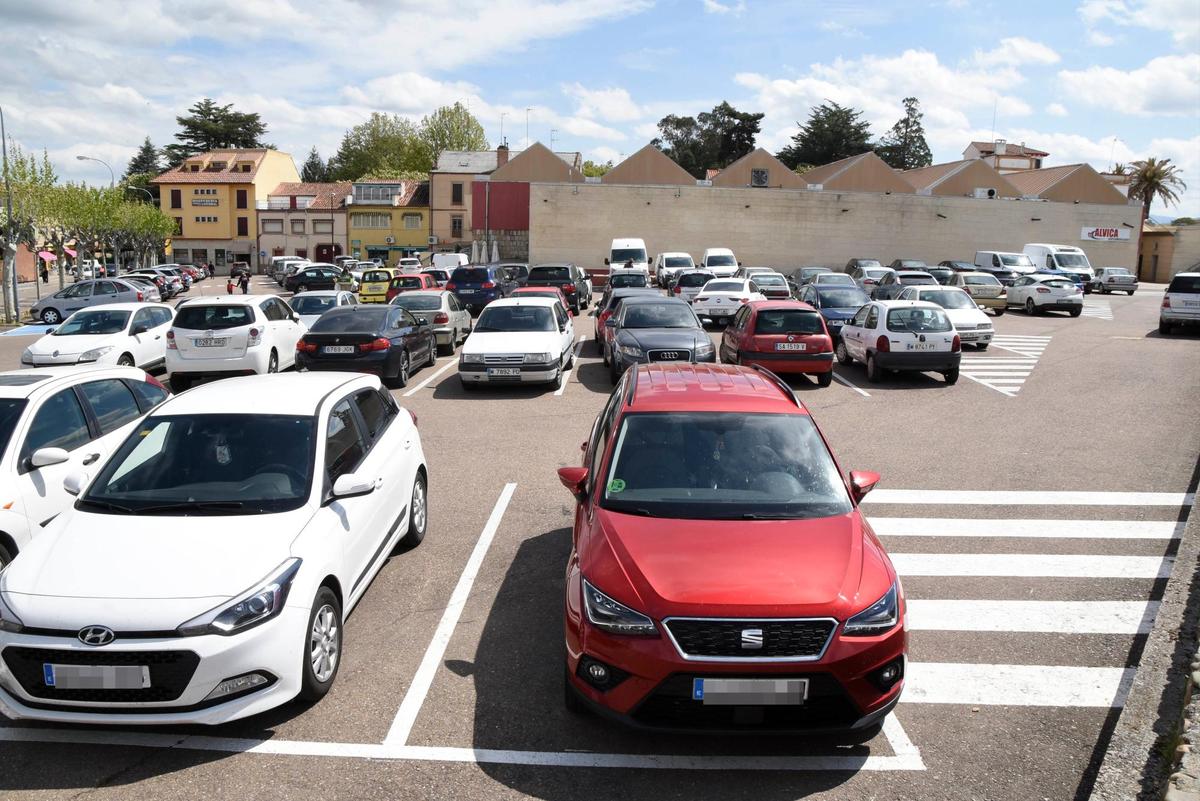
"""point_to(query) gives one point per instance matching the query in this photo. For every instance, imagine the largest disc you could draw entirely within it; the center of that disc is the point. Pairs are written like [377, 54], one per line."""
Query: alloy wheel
[325, 642]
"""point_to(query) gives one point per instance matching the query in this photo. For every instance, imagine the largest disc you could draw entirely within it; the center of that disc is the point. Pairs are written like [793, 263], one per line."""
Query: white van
[1067, 258]
[720, 262]
[624, 251]
[1001, 260]
[449, 261]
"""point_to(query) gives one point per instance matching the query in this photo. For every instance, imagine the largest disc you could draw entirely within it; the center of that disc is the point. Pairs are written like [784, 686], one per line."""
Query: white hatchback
[128, 334]
[1042, 292]
[720, 298]
[973, 326]
[234, 335]
[204, 574]
[901, 335]
[518, 340]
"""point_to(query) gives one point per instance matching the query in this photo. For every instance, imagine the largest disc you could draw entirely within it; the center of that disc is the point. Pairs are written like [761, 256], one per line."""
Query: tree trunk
[1138, 268]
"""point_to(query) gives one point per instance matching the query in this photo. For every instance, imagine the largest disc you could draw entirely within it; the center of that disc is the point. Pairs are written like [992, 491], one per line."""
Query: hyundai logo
[96, 635]
[752, 639]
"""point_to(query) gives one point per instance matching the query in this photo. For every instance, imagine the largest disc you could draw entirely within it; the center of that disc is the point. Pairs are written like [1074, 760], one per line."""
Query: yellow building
[213, 198]
[389, 219]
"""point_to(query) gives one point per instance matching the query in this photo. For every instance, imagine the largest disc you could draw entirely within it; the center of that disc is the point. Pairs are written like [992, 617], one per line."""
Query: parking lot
[1032, 512]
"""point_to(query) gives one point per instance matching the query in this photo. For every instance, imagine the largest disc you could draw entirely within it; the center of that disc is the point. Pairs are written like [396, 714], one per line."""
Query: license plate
[210, 342]
[921, 346]
[761, 692]
[96, 677]
[466, 291]
[337, 349]
[1192, 304]
[790, 346]
[504, 371]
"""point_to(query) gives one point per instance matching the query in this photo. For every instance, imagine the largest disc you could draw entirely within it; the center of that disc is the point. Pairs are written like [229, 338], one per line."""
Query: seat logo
[96, 635]
[752, 639]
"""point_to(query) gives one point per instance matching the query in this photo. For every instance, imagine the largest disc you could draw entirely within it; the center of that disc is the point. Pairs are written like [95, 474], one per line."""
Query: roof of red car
[781, 304]
[679, 386]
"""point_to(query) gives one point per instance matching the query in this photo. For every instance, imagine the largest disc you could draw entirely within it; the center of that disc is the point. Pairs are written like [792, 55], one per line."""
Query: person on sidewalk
[45, 273]
[245, 282]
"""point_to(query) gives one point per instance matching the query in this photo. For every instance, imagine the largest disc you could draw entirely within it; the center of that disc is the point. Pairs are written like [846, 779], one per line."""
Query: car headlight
[256, 605]
[704, 348]
[613, 617]
[94, 354]
[27, 356]
[472, 358]
[8, 618]
[878, 618]
[985, 326]
[538, 358]
[632, 351]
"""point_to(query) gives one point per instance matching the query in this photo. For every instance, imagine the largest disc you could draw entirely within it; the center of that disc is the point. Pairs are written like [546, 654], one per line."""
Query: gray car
[450, 320]
[53, 309]
[656, 329]
[150, 292]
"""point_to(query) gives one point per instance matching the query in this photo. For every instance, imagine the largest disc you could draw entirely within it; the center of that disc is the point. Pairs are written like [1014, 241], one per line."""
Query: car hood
[839, 313]
[654, 338]
[777, 568]
[512, 342]
[76, 343]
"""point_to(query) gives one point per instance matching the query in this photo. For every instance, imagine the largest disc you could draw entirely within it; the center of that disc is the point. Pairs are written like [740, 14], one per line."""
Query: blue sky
[1091, 80]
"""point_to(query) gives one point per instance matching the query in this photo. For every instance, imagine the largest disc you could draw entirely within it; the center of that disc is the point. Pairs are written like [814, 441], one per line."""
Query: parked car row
[149, 285]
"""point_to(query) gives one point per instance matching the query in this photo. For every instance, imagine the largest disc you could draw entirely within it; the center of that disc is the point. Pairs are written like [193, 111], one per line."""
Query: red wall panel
[500, 206]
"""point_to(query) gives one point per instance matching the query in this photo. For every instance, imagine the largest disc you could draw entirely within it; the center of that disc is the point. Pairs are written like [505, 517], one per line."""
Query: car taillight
[882, 345]
[868, 280]
[254, 339]
[956, 345]
[450, 287]
[1166, 302]
[1043, 290]
[306, 347]
[489, 285]
[154, 382]
[678, 290]
[441, 317]
[743, 300]
[568, 287]
[413, 415]
[139, 295]
[824, 344]
[382, 343]
[171, 340]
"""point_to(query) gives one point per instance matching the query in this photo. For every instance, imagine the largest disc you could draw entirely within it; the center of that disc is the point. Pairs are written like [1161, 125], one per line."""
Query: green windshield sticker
[616, 485]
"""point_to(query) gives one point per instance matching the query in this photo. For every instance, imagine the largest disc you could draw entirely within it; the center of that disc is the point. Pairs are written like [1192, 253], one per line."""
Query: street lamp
[111, 175]
[144, 191]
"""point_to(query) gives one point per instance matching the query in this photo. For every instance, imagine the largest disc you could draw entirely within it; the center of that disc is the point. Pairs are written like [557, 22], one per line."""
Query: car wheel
[5, 556]
[1130, 293]
[982, 346]
[874, 374]
[1103, 290]
[843, 355]
[825, 379]
[125, 361]
[557, 383]
[614, 375]
[51, 316]
[180, 383]
[1030, 308]
[433, 351]
[1076, 312]
[273, 363]
[418, 513]
[322, 646]
[1164, 328]
[999, 310]
[402, 371]
[604, 355]
[570, 358]
[951, 376]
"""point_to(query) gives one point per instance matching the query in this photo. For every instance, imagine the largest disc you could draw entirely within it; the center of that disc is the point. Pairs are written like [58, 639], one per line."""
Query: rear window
[1059, 283]
[408, 281]
[550, 273]
[877, 274]
[918, 320]
[358, 319]
[765, 279]
[677, 261]
[627, 280]
[788, 321]
[202, 318]
[418, 302]
[981, 280]
[1185, 283]
[724, 286]
[916, 280]
[694, 279]
[469, 275]
[371, 276]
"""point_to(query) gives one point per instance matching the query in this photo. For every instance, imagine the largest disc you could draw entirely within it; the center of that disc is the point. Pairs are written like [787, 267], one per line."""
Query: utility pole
[503, 114]
[527, 110]
[10, 257]
[553, 131]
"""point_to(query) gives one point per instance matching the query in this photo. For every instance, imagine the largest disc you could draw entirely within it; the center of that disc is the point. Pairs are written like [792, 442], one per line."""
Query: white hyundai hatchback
[203, 575]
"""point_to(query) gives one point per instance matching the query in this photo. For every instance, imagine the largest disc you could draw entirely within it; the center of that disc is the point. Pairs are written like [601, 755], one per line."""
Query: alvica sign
[1105, 234]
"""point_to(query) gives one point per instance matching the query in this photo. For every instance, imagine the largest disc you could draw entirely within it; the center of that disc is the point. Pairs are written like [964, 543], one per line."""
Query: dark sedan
[650, 329]
[385, 340]
[312, 278]
[567, 277]
[837, 304]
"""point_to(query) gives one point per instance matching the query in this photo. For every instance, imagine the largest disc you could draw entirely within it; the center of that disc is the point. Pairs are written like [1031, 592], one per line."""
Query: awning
[70, 252]
[47, 255]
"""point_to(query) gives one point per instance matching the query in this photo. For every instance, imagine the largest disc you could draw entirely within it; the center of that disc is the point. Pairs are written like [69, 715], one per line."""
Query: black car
[385, 340]
[517, 271]
[837, 304]
[567, 277]
[958, 266]
[941, 274]
[626, 280]
[311, 278]
[900, 265]
[655, 329]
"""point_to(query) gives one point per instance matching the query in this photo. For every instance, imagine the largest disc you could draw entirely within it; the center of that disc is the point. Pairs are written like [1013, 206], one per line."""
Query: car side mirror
[350, 485]
[75, 482]
[140, 328]
[574, 479]
[610, 323]
[51, 330]
[862, 482]
[606, 261]
[583, 446]
[44, 457]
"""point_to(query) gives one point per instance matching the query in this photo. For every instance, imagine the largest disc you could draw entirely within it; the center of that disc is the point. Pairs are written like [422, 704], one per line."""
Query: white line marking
[415, 697]
[567, 374]
[1030, 498]
[1015, 685]
[857, 389]
[1065, 529]
[1056, 617]
[453, 360]
[1031, 565]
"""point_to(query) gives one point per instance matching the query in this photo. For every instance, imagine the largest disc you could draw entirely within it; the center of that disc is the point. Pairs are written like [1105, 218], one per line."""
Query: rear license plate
[96, 677]
[763, 692]
[790, 346]
[466, 291]
[504, 371]
[210, 342]
[921, 346]
[1191, 304]
[337, 349]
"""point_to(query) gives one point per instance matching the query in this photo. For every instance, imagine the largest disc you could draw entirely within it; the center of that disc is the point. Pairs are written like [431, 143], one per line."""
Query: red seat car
[410, 283]
[722, 577]
[784, 336]
[544, 292]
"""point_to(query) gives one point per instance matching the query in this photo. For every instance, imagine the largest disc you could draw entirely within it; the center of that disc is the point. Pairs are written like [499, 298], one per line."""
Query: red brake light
[382, 343]
[956, 345]
[568, 287]
[882, 344]
[450, 287]
[139, 295]
[1166, 302]
[489, 285]
[678, 290]
[441, 317]
[1043, 289]
[306, 347]
[254, 332]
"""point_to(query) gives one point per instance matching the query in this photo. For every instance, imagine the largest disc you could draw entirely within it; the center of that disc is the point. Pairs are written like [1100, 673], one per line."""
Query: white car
[720, 262]
[1040, 292]
[232, 335]
[128, 334]
[410, 264]
[517, 341]
[973, 326]
[901, 335]
[311, 305]
[204, 574]
[54, 422]
[1115, 279]
[450, 320]
[689, 283]
[668, 265]
[720, 298]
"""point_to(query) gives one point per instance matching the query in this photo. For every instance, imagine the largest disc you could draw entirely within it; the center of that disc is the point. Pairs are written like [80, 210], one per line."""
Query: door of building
[328, 252]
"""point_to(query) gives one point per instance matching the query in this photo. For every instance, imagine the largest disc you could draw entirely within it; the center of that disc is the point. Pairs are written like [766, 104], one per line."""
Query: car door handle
[91, 457]
[407, 445]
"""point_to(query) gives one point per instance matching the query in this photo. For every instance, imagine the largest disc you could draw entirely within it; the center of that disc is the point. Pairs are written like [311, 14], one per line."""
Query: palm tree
[1155, 179]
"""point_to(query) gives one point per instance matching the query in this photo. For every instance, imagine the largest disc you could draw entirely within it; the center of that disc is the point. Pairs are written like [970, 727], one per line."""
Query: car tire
[1131, 293]
[570, 358]
[5, 556]
[273, 362]
[999, 310]
[614, 375]
[401, 378]
[125, 361]
[180, 383]
[843, 355]
[1076, 312]
[951, 376]
[557, 383]
[322, 637]
[433, 352]
[604, 356]
[1164, 328]
[418, 513]
[825, 379]
[51, 316]
[982, 346]
[874, 374]
[1030, 307]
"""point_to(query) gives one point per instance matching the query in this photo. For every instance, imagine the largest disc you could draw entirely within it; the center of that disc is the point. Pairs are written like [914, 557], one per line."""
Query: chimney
[501, 155]
[1001, 147]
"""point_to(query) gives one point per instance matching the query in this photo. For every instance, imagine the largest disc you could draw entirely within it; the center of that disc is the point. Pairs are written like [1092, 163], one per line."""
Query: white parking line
[415, 697]
[1067, 529]
[452, 361]
[1030, 498]
[1015, 685]
[567, 375]
[857, 389]
[1030, 565]
[1055, 617]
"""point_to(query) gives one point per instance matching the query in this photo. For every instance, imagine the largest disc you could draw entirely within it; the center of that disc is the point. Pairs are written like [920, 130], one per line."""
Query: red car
[784, 336]
[410, 283]
[722, 577]
[544, 292]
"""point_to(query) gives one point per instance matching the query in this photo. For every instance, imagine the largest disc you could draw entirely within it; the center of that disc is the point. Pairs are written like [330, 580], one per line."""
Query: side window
[602, 432]
[452, 302]
[996, 261]
[739, 319]
[148, 395]
[860, 317]
[872, 318]
[406, 319]
[560, 314]
[753, 286]
[59, 423]
[111, 402]
[343, 443]
[162, 316]
[143, 317]
[77, 291]
[270, 309]
[106, 288]
[376, 412]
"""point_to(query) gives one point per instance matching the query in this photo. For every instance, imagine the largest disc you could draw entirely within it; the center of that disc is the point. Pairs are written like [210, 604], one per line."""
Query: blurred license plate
[1191, 304]
[764, 692]
[210, 342]
[338, 349]
[921, 346]
[790, 346]
[96, 677]
[466, 291]
[504, 371]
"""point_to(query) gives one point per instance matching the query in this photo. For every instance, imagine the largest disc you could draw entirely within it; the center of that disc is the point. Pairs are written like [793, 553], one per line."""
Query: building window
[760, 177]
[243, 226]
[241, 198]
[302, 253]
[456, 226]
[297, 226]
[377, 193]
[178, 226]
[204, 191]
[412, 222]
[322, 226]
[177, 198]
[206, 219]
[456, 194]
[371, 220]
[272, 226]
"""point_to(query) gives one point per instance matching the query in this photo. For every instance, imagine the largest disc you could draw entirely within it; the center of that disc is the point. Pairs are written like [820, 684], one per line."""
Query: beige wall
[308, 241]
[788, 228]
[441, 210]
[649, 166]
[778, 175]
[1187, 249]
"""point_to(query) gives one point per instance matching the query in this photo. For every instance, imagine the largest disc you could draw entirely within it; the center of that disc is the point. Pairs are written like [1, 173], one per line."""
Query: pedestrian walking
[229, 285]
[45, 273]
[245, 282]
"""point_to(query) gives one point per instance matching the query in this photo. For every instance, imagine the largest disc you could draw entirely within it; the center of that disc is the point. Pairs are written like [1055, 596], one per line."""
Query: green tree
[1183, 221]
[904, 147]
[1155, 179]
[314, 171]
[146, 160]
[832, 132]
[712, 139]
[592, 169]
[451, 128]
[1120, 169]
[209, 126]
[385, 142]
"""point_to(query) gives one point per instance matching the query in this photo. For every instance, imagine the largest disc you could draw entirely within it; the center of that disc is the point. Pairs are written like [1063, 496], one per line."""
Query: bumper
[372, 297]
[1114, 287]
[917, 360]
[444, 335]
[811, 363]
[977, 337]
[624, 361]
[253, 361]
[991, 303]
[530, 374]
[715, 313]
[376, 363]
[478, 298]
[1179, 316]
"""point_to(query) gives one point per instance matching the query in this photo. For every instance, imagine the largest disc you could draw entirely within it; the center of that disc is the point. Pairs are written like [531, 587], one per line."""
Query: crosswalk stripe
[1098, 309]
[1020, 357]
[1043, 529]
[1058, 617]
[1024, 337]
[1015, 685]
[1030, 497]
[1031, 565]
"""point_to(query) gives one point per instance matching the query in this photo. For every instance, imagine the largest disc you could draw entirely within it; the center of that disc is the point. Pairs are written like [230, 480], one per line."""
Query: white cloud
[1099, 38]
[1056, 110]
[1180, 18]
[1167, 85]
[839, 28]
[612, 104]
[713, 7]
[410, 93]
[1017, 51]
[604, 153]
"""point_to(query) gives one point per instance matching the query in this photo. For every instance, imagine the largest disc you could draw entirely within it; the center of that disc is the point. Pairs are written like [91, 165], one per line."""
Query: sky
[1100, 81]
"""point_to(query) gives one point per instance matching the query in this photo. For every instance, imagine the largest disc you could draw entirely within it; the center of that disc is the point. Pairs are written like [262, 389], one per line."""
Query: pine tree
[832, 133]
[213, 127]
[146, 160]
[904, 147]
[314, 171]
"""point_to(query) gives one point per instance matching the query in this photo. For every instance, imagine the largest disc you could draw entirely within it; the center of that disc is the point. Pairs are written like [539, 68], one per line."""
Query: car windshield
[203, 318]
[677, 262]
[981, 280]
[352, 318]
[550, 274]
[720, 261]
[918, 320]
[371, 276]
[949, 298]
[766, 279]
[516, 318]
[226, 464]
[313, 304]
[418, 302]
[842, 298]
[724, 286]
[658, 315]
[1188, 284]
[470, 275]
[93, 322]
[916, 280]
[693, 280]
[627, 280]
[621, 255]
[715, 466]
[788, 321]
[1072, 260]
[1015, 260]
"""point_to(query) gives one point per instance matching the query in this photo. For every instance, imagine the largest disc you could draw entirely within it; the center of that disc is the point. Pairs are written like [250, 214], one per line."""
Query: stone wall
[514, 245]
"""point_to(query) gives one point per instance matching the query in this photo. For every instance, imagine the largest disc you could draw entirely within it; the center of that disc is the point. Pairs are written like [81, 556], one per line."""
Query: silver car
[450, 320]
[146, 284]
[689, 283]
[53, 309]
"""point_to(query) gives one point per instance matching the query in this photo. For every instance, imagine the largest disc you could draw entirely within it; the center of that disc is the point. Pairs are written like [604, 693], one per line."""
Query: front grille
[781, 639]
[670, 705]
[669, 355]
[504, 358]
[170, 672]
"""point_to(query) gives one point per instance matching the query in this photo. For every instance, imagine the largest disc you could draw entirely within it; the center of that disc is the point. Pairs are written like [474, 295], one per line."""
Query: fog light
[599, 675]
[238, 684]
[886, 677]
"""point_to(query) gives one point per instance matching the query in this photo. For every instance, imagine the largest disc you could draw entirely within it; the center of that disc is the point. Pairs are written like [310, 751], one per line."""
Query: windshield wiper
[198, 506]
[769, 516]
[113, 507]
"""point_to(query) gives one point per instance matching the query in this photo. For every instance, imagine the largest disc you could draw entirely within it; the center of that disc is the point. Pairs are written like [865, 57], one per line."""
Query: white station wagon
[234, 335]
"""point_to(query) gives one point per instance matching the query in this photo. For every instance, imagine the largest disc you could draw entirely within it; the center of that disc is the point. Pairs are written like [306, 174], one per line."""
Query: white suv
[235, 335]
[1181, 302]
[669, 265]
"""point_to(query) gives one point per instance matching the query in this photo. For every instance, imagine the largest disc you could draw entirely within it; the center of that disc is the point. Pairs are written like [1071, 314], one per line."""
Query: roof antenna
[995, 102]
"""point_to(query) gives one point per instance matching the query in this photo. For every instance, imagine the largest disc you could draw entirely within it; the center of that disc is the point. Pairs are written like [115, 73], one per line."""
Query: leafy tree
[213, 127]
[385, 142]
[904, 147]
[146, 160]
[832, 132]
[314, 171]
[394, 175]
[712, 139]
[1183, 221]
[592, 169]
[1155, 179]
[451, 128]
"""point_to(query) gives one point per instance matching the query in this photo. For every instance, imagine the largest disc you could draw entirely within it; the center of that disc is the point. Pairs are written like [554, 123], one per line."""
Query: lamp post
[146, 192]
[8, 221]
[112, 178]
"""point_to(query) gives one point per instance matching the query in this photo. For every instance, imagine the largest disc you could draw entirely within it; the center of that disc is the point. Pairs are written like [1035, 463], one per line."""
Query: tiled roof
[987, 148]
[1035, 182]
[419, 197]
[481, 162]
[222, 176]
[321, 193]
